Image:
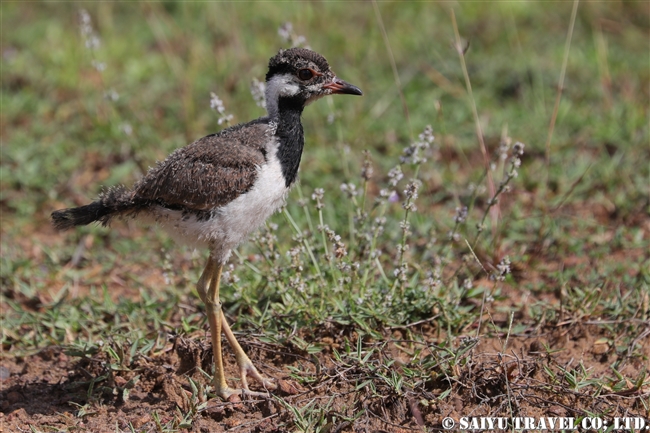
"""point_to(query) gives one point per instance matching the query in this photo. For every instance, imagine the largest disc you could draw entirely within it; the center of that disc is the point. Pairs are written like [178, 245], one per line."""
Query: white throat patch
[278, 86]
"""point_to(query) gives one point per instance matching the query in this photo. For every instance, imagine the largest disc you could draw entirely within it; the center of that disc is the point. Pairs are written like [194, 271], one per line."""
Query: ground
[539, 368]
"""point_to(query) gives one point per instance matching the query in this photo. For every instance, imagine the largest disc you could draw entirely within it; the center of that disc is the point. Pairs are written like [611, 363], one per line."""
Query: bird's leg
[208, 288]
[246, 366]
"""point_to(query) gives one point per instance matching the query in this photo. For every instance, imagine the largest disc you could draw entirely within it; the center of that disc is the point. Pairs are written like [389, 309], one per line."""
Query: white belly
[234, 222]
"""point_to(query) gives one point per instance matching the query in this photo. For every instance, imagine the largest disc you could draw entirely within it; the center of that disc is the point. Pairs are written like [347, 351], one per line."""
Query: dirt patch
[543, 373]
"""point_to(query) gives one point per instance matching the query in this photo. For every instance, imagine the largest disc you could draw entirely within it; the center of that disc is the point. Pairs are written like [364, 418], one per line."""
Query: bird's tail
[116, 201]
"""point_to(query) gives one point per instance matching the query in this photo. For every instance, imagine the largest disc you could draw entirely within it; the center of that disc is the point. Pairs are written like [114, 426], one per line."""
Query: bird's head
[300, 76]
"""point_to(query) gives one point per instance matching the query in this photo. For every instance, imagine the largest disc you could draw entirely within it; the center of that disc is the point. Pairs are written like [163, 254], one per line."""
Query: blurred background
[144, 88]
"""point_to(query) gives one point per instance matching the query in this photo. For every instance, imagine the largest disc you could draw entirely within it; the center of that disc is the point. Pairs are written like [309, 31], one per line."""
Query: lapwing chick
[215, 191]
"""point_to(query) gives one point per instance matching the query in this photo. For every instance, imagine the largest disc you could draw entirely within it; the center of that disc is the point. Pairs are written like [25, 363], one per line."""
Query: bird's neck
[290, 137]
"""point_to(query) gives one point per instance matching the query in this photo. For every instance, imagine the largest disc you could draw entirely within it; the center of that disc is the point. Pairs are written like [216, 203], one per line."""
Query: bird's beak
[341, 87]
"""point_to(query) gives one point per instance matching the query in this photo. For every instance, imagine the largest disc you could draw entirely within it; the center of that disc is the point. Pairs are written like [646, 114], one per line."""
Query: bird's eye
[305, 74]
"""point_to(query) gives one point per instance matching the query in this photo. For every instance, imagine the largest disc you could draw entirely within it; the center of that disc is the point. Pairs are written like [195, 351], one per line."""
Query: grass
[403, 294]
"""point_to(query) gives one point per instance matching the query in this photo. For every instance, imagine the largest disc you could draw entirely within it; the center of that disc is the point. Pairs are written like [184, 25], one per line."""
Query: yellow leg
[208, 288]
[246, 366]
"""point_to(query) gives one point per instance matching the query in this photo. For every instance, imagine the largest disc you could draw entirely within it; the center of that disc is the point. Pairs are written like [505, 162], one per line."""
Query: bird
[214, 192]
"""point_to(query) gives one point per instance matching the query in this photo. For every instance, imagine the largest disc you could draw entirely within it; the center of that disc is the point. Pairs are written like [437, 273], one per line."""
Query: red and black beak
[341, 87]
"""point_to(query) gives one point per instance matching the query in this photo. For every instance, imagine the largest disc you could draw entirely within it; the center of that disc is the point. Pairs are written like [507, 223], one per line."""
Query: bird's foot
[232, 394]
[247, 369]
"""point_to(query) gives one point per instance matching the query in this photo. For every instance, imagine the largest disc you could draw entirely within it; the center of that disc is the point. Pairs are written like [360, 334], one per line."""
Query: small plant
[217, 105]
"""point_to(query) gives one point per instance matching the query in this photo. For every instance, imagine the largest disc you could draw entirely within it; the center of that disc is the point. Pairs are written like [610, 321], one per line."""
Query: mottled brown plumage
[290, 61]
[208, 173]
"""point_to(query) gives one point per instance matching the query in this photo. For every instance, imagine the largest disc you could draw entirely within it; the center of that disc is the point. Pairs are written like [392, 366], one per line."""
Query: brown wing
[210, 172]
